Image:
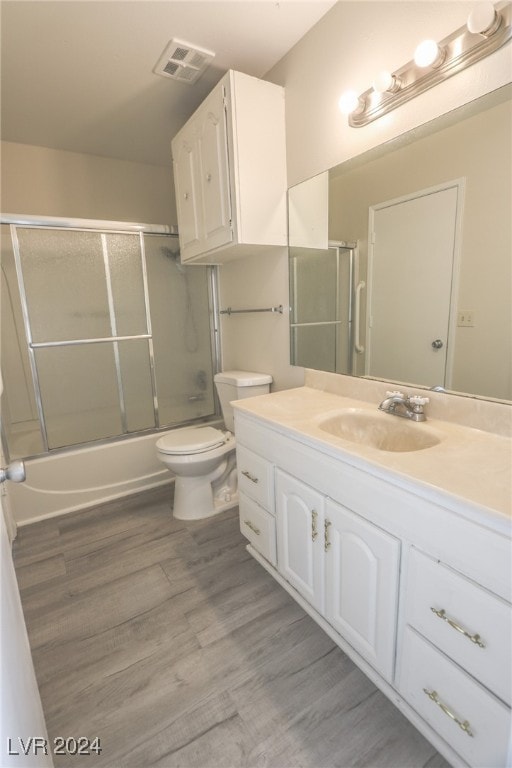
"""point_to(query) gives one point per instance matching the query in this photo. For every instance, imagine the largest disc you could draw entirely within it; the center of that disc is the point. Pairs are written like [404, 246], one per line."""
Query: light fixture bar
[461, 49]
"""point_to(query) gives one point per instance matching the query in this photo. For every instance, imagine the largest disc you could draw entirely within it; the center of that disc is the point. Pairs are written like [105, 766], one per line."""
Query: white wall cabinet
[229, 164]
[417, 596]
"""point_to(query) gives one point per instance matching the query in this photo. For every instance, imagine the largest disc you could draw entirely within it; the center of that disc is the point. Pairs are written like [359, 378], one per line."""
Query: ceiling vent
[183, 62]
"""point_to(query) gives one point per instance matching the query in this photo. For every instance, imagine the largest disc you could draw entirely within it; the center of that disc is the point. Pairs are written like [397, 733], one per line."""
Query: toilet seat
[191, 441]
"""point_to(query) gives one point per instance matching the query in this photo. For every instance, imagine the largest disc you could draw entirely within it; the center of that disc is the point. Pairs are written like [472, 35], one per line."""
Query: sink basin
[379, 430]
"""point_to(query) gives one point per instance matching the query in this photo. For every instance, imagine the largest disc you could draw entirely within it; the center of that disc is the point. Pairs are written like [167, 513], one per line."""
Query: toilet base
[194, 499]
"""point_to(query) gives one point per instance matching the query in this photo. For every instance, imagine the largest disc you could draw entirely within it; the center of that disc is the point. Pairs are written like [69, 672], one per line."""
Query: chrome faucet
[399, 404]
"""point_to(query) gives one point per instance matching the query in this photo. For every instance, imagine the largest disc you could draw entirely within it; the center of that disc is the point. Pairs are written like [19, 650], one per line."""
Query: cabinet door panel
[362, 567]
[300, 552]
[189, 211]
[214, 172]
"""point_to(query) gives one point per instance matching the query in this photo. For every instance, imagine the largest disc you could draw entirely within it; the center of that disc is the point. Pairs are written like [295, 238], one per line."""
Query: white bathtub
[81, 478]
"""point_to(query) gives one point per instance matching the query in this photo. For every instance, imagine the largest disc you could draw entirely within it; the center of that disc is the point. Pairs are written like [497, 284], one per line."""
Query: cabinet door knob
[208, 177]
[15, 472]
[186, 195]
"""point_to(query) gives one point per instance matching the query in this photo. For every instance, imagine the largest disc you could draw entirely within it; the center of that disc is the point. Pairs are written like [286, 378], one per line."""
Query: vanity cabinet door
[300, 537]
[362, 572]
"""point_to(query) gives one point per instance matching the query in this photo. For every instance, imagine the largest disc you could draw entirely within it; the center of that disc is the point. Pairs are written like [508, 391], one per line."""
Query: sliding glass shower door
[110, 334]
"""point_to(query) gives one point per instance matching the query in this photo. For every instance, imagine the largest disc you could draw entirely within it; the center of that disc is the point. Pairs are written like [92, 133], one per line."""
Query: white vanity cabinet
[345, 567]
[417, 594]
[229, 164]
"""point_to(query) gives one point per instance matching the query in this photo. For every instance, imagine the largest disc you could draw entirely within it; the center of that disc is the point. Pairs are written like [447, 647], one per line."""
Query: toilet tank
[237, 385]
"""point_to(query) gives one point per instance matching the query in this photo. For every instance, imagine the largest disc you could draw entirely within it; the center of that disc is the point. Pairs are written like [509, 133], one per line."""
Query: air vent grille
[183, 61]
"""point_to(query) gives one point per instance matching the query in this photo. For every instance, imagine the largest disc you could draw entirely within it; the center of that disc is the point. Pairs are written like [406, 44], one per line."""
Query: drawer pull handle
[252, 527]
[327, 543]
[474, 638]
[250, 477]
[464, 725]
[314, 529]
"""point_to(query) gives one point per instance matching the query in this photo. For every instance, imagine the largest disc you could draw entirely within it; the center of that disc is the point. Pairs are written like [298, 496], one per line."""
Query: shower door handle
[15, 472]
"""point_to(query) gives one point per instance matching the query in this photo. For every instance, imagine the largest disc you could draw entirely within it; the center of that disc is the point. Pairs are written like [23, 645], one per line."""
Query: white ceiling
[77, 74]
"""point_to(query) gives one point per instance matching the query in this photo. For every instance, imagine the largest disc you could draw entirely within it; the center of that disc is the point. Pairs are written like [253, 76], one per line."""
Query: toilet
[203, 458]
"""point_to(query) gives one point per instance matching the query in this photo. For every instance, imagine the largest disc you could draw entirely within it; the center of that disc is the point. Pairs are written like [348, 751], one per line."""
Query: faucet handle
[418, 400]
[395, 393]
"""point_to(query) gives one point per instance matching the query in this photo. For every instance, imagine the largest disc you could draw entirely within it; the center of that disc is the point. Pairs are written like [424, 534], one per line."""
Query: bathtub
[81, 478]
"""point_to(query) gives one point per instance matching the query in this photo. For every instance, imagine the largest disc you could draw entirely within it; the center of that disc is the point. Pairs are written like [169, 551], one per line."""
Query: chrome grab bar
[357, 344]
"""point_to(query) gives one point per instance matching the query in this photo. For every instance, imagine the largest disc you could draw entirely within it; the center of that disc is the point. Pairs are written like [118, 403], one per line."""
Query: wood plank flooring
[172, 645]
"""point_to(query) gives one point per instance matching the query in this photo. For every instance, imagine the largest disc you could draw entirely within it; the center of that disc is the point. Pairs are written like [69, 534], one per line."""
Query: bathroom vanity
[402, 555]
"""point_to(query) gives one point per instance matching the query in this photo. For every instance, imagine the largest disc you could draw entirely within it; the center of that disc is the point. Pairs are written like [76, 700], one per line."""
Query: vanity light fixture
[484, 20]
[488, 28]
[429, 54]
[350, 103]
[385, 82]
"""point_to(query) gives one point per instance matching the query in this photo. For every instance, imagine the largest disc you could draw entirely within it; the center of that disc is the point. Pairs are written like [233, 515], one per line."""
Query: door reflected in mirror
[470, 151]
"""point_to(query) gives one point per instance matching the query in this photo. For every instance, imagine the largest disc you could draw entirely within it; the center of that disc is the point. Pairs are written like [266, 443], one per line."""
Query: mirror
[347, 287]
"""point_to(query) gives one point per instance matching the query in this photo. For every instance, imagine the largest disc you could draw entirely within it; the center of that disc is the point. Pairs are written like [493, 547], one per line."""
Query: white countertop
[467, 464]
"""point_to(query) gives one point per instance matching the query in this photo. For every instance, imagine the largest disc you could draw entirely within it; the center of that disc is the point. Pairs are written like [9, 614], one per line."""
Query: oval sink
[387, 433]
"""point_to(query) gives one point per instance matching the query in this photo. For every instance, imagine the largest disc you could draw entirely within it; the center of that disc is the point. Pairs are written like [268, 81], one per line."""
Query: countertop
[468, 465]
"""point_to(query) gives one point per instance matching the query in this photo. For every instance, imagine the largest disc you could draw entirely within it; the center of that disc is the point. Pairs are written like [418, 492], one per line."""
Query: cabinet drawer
[423, 668]
[255, 477]
[464, 611]
[259, 527]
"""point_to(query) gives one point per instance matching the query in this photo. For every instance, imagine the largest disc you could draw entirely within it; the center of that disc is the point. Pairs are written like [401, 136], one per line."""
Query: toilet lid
[191, 440]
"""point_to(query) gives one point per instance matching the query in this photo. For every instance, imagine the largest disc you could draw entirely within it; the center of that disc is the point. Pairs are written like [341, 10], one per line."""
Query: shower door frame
[351, 249]
[103, 228]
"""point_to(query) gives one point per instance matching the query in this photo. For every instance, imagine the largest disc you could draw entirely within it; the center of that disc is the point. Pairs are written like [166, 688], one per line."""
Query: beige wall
[258, 342]
[345, 49]
[48, 182]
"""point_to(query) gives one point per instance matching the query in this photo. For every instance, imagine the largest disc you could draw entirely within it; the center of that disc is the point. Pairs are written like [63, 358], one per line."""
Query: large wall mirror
[400, 259]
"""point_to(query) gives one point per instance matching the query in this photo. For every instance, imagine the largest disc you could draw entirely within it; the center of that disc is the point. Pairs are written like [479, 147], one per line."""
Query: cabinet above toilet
[229, 163]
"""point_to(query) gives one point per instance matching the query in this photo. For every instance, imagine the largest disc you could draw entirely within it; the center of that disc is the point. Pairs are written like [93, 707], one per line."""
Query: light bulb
[350, 102]
[386, 82]
[428, 54]
[483, 20]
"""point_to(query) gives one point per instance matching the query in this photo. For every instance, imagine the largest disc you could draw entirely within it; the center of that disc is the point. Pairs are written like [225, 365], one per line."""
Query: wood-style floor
[172, 645]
